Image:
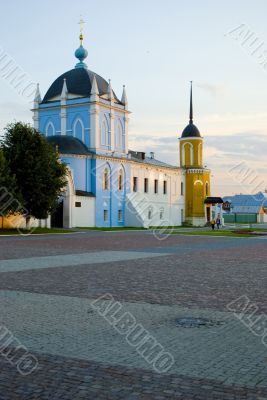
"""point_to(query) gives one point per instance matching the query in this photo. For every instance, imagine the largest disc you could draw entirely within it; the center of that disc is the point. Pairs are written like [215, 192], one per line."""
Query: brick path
[45, 301]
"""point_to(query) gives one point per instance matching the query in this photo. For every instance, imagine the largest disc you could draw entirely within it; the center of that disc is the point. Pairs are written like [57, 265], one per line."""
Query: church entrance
[208, 214]
[57, 216]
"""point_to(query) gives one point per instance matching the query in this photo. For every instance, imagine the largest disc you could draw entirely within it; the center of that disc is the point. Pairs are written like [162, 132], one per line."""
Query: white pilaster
[63, 108]
[124, 99]
[126, 123]
[94, 127]
[110, 92]
[112, 117]
[94, 117]
[112, 129]
[36, 102]
[94, 91]
[36, 119]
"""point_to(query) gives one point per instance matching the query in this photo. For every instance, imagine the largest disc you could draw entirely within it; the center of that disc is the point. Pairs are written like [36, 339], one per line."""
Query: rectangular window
[182, 188]
[146, 185]
[105, 215]
[156, 186]
[164, 187]
[161, 214]
[135, 181]
[78, 204]
[174, 188]
[120, 215]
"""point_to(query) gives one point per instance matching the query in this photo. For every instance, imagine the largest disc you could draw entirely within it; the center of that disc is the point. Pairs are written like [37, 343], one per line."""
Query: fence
[240, 218]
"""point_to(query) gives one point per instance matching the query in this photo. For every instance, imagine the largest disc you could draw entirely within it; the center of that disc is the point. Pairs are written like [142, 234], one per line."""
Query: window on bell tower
[207, 188]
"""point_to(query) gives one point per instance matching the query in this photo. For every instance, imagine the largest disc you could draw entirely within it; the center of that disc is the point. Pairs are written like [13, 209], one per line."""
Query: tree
[10, 197]
[39, 173]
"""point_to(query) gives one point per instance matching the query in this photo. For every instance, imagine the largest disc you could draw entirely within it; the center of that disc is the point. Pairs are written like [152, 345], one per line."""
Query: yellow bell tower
[197, 178]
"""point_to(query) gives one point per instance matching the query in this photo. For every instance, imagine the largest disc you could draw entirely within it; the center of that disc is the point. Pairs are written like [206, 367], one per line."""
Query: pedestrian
[218, 222]
[213, 223]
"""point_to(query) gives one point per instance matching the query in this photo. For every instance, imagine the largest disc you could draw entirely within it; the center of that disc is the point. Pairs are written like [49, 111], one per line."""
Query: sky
[155, 48]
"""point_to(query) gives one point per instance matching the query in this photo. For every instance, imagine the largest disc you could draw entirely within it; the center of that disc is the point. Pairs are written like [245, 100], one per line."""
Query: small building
[214, 204]
[245, 208]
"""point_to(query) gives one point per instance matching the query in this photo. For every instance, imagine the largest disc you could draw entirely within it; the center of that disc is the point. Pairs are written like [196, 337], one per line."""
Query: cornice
[123, 161]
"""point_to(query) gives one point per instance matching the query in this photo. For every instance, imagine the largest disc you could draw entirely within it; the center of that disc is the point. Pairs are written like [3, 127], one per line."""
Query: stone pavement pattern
[47, 287]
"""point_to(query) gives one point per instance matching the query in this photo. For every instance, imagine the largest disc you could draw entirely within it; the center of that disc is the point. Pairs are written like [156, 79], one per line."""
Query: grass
[214, 233]
[228, 232]
[252, 229]
[129, 228]
[36, 231]
[168, 227]
[117, 228]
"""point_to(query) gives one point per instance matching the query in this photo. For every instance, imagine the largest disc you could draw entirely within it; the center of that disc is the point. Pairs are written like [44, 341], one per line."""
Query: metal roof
[248, 203]
[68, 145]
[84, 193]
[135, 156]
[79, 81]
[213, 200]
[191, 131]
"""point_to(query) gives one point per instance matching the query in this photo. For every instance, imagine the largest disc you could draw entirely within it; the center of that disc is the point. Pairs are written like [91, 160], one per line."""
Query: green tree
[10, 197]
[39, 173]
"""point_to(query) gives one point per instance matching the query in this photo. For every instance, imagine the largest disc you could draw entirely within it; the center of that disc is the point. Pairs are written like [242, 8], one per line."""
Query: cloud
[221, 154]
[13, 111]
[214, 90]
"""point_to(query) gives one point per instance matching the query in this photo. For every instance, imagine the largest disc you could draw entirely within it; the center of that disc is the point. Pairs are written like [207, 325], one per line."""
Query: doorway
[57, 216]
[208, 214]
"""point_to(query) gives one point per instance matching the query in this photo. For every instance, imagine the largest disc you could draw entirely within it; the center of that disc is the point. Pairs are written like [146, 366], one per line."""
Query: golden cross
[81, 23]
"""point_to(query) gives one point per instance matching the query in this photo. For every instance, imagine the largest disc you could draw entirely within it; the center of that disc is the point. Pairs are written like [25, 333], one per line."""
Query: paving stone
[45, 304]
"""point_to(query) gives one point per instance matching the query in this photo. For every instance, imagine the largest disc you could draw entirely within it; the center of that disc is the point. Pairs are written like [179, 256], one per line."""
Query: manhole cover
[192, 322]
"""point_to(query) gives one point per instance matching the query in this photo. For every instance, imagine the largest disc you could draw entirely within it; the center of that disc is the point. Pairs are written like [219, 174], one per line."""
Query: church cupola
[81, 53]
[191, 142]
[191, 130]
[82, 104]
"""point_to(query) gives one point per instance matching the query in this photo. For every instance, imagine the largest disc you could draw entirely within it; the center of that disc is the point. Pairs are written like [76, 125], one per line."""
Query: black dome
[68, 144]
[79, 81]
[191, 131]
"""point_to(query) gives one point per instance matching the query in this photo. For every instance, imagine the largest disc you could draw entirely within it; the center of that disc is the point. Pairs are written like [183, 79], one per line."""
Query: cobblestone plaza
[49, 283]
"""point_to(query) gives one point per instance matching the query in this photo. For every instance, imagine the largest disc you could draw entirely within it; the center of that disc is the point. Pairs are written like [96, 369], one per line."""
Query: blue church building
[107, 184]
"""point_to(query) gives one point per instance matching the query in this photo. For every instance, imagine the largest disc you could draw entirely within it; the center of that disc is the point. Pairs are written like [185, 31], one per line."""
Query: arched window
[187, 154]
[118, 136]
[104, 133]
[120, 180]
[78, 129]
[207, 188]
[50, 129]
[106, 179]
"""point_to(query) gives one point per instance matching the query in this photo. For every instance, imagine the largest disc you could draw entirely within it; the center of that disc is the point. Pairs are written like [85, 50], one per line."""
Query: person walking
[213, 223]
[218, 222]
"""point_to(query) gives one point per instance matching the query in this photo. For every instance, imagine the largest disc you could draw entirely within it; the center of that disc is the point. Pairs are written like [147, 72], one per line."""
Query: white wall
[139, 204]
[84, 216]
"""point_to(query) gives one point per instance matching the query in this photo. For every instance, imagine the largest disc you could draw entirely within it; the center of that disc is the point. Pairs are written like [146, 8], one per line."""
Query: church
[108, 184]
